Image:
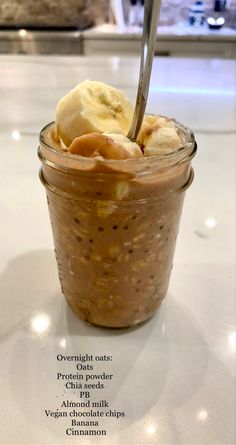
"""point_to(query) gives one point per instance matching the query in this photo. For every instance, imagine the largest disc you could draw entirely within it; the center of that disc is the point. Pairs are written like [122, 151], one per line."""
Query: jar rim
[170, 156]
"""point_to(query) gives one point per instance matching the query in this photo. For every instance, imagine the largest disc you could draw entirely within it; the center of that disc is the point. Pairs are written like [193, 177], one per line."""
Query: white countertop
[173, 376]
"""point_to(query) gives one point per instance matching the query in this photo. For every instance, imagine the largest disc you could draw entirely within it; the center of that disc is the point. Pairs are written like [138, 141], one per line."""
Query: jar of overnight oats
[115, 224]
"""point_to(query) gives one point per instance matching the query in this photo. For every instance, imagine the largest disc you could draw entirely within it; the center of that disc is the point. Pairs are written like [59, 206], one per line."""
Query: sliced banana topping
[108, 146]
[158, 136]
[93, 119]
[162, 141]
[92, 107]
[131, 147]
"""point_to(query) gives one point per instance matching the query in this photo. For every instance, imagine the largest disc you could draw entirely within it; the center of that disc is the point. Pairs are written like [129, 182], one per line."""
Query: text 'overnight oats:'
[114, 204]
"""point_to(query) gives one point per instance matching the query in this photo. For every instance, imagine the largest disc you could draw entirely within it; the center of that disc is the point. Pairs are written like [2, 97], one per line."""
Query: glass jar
[115, 224]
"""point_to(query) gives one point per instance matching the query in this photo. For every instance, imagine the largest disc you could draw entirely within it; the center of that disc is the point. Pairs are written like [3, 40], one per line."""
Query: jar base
[88, 319]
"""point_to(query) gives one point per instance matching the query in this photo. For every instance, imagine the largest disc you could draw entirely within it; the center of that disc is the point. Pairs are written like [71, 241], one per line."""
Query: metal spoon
[151, 17]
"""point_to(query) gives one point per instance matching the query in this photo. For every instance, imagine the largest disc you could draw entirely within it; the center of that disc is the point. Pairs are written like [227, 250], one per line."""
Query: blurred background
[197, 29]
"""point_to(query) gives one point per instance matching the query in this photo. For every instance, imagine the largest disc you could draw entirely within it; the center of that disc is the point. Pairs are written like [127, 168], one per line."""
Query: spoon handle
[151, 17]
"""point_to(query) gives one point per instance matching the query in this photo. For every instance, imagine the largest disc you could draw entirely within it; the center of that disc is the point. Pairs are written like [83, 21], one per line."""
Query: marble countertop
[173, 377]
[180, 31]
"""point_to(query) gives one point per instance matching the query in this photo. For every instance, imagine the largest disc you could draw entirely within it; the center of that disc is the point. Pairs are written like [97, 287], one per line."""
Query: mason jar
[115, 225]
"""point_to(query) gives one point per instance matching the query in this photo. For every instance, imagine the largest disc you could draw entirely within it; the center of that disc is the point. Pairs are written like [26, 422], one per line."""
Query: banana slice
[150, 125]
[158, 136]
[131, 147]
[162, 141]
[109, 146]
[92, 107]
